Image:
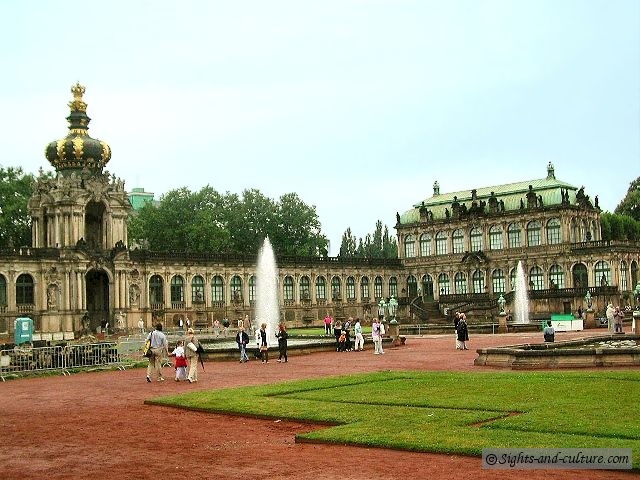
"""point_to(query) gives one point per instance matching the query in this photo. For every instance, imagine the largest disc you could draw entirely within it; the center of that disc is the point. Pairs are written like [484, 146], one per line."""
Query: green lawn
[448, 412]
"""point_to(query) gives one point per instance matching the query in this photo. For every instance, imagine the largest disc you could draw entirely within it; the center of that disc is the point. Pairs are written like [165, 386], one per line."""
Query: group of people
[342, 333]
[262, 344]
[615, 317]
[185, 355]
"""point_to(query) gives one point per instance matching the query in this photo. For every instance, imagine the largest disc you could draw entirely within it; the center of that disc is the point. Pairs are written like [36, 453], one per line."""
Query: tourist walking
[242, 339]
[192, 343]
[282, 342]
[264, 346]
[376, 336]
[159, 349]
[357, 330]
[180, 362]
[463, 332]
[549, 332]
[456, 320]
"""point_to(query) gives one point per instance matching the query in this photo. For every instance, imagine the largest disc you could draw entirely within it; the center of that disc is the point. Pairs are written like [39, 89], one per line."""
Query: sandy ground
[96, 425]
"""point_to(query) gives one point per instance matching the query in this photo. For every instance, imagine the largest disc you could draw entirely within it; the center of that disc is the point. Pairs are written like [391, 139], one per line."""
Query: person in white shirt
[357, 329]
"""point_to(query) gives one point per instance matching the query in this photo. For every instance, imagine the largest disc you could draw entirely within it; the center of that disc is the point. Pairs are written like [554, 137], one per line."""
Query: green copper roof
[511, 197]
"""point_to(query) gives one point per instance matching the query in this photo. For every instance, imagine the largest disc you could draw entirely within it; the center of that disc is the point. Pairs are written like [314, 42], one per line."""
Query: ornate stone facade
[456, 251]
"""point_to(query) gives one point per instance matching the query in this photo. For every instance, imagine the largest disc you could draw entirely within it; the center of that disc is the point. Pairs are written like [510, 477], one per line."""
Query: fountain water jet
[267, 302]
[521, 299]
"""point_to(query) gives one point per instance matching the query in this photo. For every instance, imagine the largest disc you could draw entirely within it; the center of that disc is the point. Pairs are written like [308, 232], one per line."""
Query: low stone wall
[572, 354]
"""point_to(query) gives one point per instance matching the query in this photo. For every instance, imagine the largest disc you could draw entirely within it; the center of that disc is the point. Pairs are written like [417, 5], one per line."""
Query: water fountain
[267, 303]
[521, 300]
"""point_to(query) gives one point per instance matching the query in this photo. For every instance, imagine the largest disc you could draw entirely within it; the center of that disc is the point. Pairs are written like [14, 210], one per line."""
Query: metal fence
[22, 360]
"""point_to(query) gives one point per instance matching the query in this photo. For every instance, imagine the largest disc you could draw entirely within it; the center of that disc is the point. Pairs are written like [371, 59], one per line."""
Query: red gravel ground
[96, 426]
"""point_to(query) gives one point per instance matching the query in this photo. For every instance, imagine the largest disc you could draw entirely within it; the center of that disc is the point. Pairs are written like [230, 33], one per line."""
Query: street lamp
[636, 309]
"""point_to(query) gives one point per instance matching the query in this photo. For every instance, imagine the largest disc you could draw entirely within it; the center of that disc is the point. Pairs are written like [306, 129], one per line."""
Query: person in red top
[180, 362]
[327, 324]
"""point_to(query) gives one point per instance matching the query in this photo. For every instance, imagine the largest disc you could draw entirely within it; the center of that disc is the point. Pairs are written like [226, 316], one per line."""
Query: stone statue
[381, 307]
[393, 307]
[52, 297]
[501, 303]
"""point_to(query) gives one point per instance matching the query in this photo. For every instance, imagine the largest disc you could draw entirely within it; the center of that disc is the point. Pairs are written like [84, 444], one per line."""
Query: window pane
[495, 238]
[476, 240]
[458, 241]
[533, 234]
[321, 288]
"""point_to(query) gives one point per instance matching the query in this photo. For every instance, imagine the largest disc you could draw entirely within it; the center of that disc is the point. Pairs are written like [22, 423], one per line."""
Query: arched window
[412, 286]
[410, 246]
[556, 277]
[513, 235]
[536, 278]
[305, 288]
[197, 289]
[425, 245]
[460, 283]
[495, 238]
[336, 288]
[236, 288]
[478, 281]
[287, 289]
[3, 291]
[393, 287]
[156, 291]
[177, 292]
[497, 281]
[364, 288]
[441, 243]
[603, 273]
[25, 290]
[377, 288]
[217, 289]
[580, 276]
[443, 283]
[351, 288]
[553, 232]
[475, 237]
[458, 241]
[512, 278]
[321, 288]
[533, 233]
[427, 286]
[252, 288]
[623, 278]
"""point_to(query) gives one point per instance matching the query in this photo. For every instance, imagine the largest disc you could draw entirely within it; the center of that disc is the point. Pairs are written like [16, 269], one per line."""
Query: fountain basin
[606, 352]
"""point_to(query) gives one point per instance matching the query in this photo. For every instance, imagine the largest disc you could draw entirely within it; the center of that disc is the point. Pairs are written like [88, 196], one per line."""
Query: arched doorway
[427, 287]
[97, 282]
[580, 276]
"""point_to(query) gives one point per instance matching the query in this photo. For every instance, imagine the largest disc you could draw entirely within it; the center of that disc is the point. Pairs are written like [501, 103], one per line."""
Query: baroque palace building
[456, 250]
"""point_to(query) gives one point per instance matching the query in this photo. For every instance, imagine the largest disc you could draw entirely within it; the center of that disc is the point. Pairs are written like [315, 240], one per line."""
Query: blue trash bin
[23, 330]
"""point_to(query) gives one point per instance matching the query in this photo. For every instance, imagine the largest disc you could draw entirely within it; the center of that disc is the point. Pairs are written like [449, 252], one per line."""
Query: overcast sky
[357, 106]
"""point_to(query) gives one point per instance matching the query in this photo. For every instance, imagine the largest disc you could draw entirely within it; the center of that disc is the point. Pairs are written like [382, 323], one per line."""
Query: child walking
[180, 362]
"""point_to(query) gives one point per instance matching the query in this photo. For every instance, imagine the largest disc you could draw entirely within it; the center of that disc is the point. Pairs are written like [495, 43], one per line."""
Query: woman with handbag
[191, 350]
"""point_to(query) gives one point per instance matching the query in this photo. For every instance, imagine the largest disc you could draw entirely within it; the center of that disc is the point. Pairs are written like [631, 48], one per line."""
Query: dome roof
[78, 150]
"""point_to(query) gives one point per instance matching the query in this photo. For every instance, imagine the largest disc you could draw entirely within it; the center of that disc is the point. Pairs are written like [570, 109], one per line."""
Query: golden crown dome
[78, 150]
